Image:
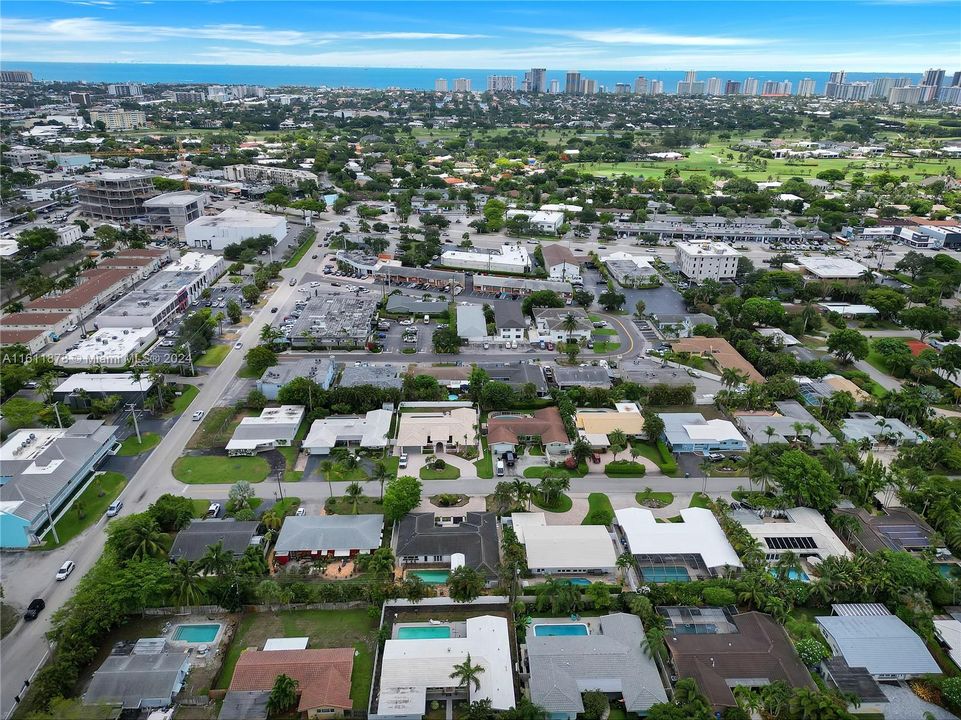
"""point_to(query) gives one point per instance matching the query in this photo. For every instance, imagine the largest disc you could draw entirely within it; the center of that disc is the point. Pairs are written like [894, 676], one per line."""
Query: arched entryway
[439, 448]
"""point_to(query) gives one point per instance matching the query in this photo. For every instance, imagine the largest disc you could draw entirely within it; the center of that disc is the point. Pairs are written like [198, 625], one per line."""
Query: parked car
[301, 512]
[403, 461]
[64, 572]
[714, 457]
[34, 608]
[115, 507]
[214, 510]
[273, 310]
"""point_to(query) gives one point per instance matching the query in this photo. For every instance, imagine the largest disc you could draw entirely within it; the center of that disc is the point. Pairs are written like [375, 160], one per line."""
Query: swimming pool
[196, 633]
[432, 577]
[423, 632]
[946, 568]
[564, 629]
[452, 397]
[668, 573]
[793, 575]
[579, 581]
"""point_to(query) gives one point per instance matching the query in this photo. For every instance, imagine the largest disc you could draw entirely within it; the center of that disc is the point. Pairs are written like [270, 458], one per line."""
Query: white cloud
[617, 36]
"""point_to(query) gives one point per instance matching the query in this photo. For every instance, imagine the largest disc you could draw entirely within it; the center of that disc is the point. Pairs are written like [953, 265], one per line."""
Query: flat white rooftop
[103, 382]
[173, 199]
[699, 534]
[193, 262]
[706, 249]
[238, 218]
[109, 346]
[564, 546]
[832, 267]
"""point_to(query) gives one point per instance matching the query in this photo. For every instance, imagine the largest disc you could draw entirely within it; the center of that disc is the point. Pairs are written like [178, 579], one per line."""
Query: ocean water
[362, 77]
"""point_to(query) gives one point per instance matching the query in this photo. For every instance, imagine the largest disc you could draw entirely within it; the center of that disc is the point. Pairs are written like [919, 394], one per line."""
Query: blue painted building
[691, 433]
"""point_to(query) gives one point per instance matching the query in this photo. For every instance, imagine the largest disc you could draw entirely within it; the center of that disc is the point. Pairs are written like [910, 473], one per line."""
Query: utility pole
[190, 358]
[136, 425]
[56, 410]
[53, 528]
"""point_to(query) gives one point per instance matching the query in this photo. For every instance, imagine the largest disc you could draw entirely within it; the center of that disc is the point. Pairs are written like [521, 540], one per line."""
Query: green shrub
[811, 651]
[718, 596]
[439, 464]
[951, 691]
[624, 468]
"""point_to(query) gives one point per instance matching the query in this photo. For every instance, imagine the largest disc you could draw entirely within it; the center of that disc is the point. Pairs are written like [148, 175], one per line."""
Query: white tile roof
[699, 534]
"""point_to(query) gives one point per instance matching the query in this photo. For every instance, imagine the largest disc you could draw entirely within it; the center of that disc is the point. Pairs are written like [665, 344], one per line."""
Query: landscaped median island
[600, 511]
[219, 469]
[131, 446]
[439, 469]
[87, 508]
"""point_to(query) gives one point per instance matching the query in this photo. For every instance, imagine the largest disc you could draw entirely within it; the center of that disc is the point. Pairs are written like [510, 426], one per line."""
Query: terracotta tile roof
[13, 337]
[95, 283]
[323, 676]
[546, 423]
[724, 354]
[33, 319]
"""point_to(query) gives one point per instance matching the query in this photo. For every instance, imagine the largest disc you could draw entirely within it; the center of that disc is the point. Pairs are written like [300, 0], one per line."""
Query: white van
[500, 468]
[426, 319]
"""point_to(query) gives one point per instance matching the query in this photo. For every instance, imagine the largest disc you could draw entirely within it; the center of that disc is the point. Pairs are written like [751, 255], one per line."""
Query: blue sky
[816, 35]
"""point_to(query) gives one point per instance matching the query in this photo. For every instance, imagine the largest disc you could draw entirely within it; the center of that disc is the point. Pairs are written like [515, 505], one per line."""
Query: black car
[273, 310]
[34, 608]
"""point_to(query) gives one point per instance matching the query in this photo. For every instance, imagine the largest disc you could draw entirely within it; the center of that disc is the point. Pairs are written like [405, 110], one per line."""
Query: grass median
[131, 446]
[87, 508]
[219, 469]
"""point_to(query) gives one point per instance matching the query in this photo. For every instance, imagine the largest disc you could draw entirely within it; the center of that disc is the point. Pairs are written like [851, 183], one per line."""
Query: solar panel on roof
[791, 543]
[905, 535]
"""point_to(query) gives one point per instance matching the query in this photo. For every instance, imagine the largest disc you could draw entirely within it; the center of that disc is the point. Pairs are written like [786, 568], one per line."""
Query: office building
[732, 87]
[501, 83]
[215, 232]
[706, 260]
[750, 86]
[907, 95]
[714, 86]
[119, 119]
[116, 194]
[461, 84]
[440, 85]
[535, 80]
[510, 258]
[16, 76]
[833, 87]
[805, 87]
[334, 321]
[175, 209]
[572, 83]
[640, 85]
[125, 90]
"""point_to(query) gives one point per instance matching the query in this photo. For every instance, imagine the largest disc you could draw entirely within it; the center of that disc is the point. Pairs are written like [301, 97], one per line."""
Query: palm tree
[569, 323]
[326, 468]
[47, 383]
[523, 491]
[380, 474]
[283, 695]
[558, 595]
[504, 496]
[187, 583]
[625, 561]
[732, 377]
[146, 541]
[353, 493]
[788, 563]
[618, 440]
[217, 560]
[466, 674]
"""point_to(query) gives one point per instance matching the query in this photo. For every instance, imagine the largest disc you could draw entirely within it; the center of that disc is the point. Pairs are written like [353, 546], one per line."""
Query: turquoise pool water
[946, 568]
[452, 397]
[426, 632]
[565, 629]
[196, 633]
[668, 573]
[432, 577]
[793, 575]
[579, 581]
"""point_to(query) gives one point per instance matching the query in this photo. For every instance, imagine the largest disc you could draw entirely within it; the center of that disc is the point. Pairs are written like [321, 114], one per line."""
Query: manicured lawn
[325, 628]
[604, 331]
[130, 446]
[287, 506]
[699, 500]
[665, 498]
[664, 460]
[365, 506]
[563, 503]
[200, 507]
[447, 473]
[391, 464]
[541, 471]
[302, 250]
[599, 507]
[485, 465]
[214, 356]
[606, 347]
[216, 469]
[93, 505]
[216, 428]
[183, 400]
[246, 372]
[341, 474]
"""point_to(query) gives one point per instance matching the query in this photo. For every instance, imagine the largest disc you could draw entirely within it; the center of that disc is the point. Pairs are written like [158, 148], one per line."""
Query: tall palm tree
[146, 541]
[732, 377]
[217, 560]
[625, 561]
[467, 674]
[523, 491]
[46, 385]
[326, 468]
[380, 474]
[787, 563]
[354, 492]
[188, 589]
[569, 323]
[504, 497]
[618, 440]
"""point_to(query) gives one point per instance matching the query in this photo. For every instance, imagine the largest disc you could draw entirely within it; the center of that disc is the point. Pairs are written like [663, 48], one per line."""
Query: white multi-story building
[119, 119]
[440, 85]
[125, 90]
[510, 258]
[462, 84]
[501, 83]
[750, 86]
[805, 87]
[701, 261]
[233, 226]
[714, 86]
[267, 174]
[906, 95]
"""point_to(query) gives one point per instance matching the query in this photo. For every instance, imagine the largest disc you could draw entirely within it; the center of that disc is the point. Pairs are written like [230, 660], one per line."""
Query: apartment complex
[119, 119]
[117, 195]
[267, 174]
[700, 261]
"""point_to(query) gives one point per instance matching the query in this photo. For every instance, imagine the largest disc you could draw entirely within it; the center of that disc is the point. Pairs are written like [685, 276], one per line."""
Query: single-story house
[382, 376]
[613, 660]
[320, 370]
[545, 426]
[897, 529]
[146, 676]
[368, 431]
[595, 424]
[333, 536]
[517, 375]
[422, 539]
[471, 323]
[244, 705]
[690, 432]
[882, 644]
[757, 652]
[551, 324]
[698, 541]
[790, 422]
[193, 541]
[861, 426]
[275, 427]
[322, 675]
[568, 377]
[720, 352]
[803, 531]
[437, 430]
[564, 549]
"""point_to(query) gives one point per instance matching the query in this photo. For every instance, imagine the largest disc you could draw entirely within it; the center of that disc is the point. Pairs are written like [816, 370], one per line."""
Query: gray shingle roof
[884, 644]
[131, 679]
[244, 705]
[612, 661]
[475, 537]
[192, 542]
[329, 532]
